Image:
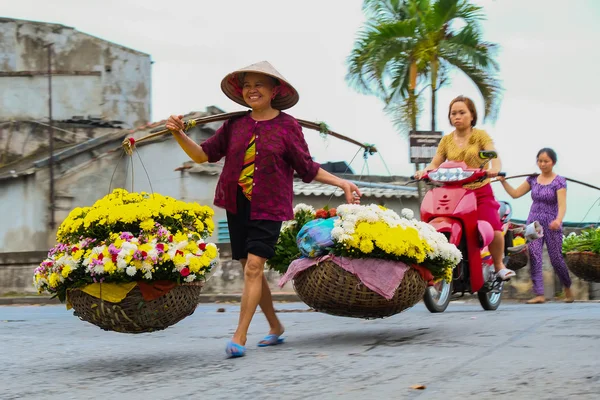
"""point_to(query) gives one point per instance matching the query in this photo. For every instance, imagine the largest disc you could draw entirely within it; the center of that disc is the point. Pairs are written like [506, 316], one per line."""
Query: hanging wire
[145, 170]
[115, 171]
[127, 171]
[590, 209]
[384, 164]
[132, 173]
[347, 168]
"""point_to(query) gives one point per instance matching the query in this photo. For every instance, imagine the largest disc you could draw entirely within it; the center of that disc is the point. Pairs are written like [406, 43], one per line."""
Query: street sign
[423, 145]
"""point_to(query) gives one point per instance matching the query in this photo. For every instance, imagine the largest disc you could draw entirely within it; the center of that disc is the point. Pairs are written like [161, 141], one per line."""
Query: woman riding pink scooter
[464, 144]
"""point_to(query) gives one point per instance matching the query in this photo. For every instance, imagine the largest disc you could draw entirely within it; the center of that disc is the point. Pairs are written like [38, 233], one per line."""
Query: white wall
[122, 91]
[23, 205]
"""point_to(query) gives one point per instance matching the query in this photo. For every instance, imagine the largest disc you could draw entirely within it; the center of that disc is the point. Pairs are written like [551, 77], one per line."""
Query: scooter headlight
[449, 174]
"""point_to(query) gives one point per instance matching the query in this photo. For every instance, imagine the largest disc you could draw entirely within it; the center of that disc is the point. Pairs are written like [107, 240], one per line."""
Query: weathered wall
[23, 215]
[93, 76]
[21, 138]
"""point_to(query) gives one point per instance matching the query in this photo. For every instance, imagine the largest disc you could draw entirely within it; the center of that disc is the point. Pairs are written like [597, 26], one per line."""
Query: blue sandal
[235, 350]
[270, 340]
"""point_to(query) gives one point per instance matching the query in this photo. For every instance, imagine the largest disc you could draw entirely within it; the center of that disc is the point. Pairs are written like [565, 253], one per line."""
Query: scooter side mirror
[488, 154]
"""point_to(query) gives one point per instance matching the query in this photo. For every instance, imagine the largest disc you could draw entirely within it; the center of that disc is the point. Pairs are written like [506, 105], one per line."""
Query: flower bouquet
[393, 256]
[582, 254]
[144, 254]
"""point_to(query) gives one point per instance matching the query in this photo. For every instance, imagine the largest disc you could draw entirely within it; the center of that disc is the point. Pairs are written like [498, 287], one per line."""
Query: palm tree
[407, 43]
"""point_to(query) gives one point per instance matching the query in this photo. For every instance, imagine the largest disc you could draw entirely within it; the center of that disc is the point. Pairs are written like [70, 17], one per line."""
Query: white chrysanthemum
[407, 213]
[337, 232]
[288, 225]
[98, 250]
[153, 254]
[99, 269]
[127, 248]
[303, 207]
[146, 266]
[121, 264]
[41, 282]
[131, 271]
[148, 275]
[190, 278]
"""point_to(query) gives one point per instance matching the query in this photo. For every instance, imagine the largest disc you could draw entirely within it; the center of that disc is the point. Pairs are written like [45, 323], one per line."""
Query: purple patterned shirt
[545, 199]
[280, 149]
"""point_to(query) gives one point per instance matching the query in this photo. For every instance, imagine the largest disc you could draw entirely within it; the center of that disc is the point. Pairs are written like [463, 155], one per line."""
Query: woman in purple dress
[549, 194]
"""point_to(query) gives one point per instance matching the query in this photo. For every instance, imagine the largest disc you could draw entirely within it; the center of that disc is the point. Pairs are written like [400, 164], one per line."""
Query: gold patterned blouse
[469, 153]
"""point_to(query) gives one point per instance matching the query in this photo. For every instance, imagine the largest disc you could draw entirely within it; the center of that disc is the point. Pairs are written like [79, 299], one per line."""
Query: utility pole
[51, 144]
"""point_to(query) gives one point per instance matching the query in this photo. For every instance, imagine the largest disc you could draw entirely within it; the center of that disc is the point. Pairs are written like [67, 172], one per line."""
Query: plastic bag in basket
[315, 237]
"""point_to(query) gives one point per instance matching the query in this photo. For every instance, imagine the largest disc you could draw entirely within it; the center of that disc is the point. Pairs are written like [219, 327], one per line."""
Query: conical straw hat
[232, 86]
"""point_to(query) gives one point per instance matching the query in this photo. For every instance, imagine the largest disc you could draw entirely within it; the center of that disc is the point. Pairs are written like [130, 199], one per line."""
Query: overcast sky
[549, 66]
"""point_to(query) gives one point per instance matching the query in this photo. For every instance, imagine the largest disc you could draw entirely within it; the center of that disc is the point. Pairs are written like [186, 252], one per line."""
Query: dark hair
[551, 154]
[274, 80]
[470, 105]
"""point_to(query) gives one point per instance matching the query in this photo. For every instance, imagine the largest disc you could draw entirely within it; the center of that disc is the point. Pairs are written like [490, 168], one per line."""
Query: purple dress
[545, 210]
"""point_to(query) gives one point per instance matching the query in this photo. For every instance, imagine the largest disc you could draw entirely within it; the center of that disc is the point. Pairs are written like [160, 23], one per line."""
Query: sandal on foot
[234, 350]
[270, 340]
[537, 300]
[505, 274]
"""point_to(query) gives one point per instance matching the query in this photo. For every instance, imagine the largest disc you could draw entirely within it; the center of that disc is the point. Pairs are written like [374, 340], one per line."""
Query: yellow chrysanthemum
[65, 271]
[109, 267]
[147, 225]
[53, 280]
[366, 246]
[195, 265]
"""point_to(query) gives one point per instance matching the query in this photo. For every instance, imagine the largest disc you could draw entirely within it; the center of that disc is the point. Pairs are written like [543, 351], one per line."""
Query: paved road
[548, 351]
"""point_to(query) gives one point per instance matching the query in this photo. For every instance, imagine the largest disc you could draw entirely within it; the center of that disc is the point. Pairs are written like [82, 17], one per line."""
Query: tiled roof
[372, 188]
[368, 189]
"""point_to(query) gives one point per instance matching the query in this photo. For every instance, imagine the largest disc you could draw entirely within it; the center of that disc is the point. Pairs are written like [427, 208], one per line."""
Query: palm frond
[469, 46]
[489, 86]
[386, 10]
[400, 114]
[376, 50]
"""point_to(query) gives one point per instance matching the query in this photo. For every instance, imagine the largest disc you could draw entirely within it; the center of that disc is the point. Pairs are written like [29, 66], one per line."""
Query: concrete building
[97, 86]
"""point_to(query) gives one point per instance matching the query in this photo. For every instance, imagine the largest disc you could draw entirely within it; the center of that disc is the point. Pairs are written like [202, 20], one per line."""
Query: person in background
[549, 195]
[464, 144]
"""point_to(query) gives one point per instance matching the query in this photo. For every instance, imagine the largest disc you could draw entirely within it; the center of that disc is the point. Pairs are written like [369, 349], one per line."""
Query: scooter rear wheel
[490, 300]
[437, 297]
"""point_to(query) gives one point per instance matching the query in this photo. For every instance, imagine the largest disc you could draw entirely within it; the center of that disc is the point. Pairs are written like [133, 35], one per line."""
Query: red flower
[132, 141]
[74, 249]
[202, 246]
[321, 214]
[144, 254]
[332, 212]
[185, 271]
[114, 258]
[179, 252]
[100, 256]
[170, 238]
[160, 247]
